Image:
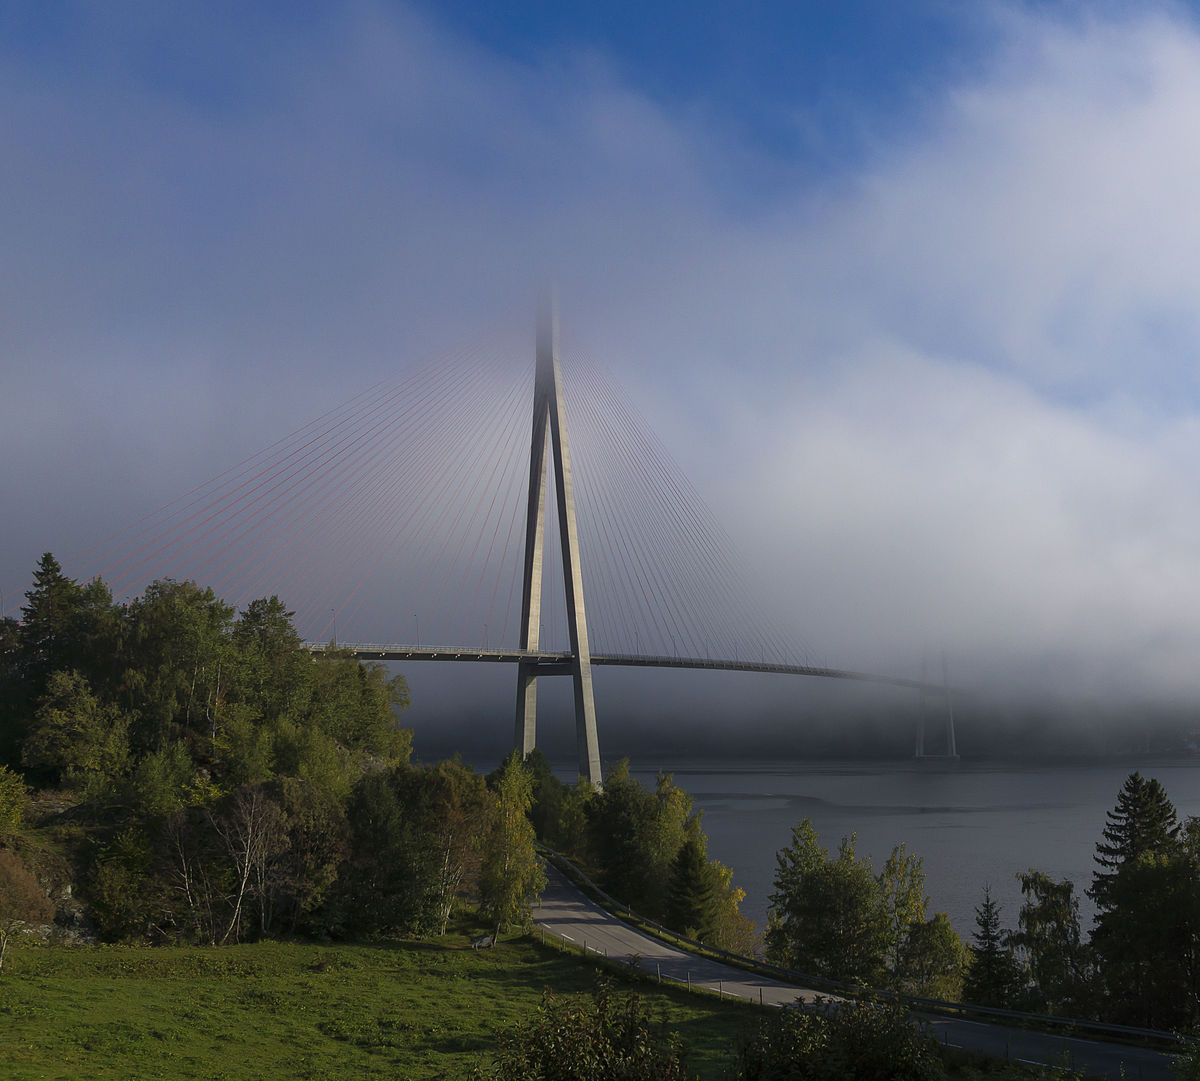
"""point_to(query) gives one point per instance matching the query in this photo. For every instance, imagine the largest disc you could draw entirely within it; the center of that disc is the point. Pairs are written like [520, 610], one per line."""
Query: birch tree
[512, 875]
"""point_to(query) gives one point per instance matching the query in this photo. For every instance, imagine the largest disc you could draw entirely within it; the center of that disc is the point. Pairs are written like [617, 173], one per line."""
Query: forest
[196, 776]
[175, 771]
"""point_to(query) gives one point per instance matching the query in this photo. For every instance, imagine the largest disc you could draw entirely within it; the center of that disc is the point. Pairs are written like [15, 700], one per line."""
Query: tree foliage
[995, 977]
[1058, 959]
[1142, 822]
[12, 802]
[511, 876]
[932, 961]
[129, 901]
[633, 841]
[730, 930]
[621, 828]
[690, 906]
[608, 1037]
[76, 739]
[827, 916]
[835, 918]
[844, 1041]
[1147, 894]
[389, 881]
[212, 757]
[63, 627]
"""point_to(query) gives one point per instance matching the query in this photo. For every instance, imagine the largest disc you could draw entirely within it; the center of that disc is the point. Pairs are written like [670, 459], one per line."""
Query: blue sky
[796, 80]
[910, 290]
[776, 72]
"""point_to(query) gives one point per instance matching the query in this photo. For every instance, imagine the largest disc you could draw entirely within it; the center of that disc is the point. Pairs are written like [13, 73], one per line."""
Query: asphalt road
[566, 913]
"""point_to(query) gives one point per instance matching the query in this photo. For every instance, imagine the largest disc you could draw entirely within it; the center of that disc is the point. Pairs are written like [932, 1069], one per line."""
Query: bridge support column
[951, 743]
[950, 753]
[549, 418]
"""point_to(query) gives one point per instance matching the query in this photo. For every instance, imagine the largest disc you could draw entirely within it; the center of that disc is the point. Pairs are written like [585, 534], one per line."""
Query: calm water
[973, 825]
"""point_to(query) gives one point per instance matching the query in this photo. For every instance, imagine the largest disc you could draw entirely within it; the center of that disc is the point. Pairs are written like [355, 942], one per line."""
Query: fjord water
[977, 824]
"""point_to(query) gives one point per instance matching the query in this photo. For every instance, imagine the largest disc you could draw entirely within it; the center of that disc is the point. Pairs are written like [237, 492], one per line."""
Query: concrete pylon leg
[951, 743]
[526, 733]
[549, 417]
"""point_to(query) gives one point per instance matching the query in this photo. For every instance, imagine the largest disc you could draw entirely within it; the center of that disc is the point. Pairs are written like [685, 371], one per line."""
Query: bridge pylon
[549, 419]
[950, 753]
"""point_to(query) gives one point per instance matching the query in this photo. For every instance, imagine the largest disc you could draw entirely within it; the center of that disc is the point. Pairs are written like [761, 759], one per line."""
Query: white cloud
[992, 440]
[969, 368]
[923, 505]
[1049, 224]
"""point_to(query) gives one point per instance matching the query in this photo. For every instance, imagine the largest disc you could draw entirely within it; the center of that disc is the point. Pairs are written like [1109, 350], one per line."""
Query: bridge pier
[549, 419]
[950, 752]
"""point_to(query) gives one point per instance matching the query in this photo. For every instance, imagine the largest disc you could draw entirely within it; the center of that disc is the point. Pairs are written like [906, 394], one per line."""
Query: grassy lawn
[285, 1010]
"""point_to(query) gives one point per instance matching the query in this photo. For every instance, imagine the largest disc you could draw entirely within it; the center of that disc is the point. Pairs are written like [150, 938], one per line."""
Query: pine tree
[548, 791]
[47, 639]
[1143, 822]
[625, 834]
[48, 622]
[14, 702]
[690, 893]
[995, 976]
[1147, 912]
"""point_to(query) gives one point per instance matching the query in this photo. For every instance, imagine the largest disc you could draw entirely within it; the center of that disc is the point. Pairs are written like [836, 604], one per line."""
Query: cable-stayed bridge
[372, 651]
[431, 503]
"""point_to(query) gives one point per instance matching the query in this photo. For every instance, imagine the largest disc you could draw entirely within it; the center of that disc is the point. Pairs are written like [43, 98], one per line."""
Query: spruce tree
[995, 976]
[1147, 912]
[46, 640]
[14, 704]
[548, 793]
[49, 626]
[1142, 823]
[690, 893]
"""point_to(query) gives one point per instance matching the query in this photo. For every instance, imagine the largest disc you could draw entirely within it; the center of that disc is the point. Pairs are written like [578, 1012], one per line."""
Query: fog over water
[911, 297]
[981, 823]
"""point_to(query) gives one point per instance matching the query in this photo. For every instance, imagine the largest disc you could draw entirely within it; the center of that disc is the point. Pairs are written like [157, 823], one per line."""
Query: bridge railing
[399, 651]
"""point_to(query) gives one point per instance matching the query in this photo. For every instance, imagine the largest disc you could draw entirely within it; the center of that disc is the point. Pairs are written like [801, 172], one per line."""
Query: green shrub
[607, 1038]
[12, 801]
[22, 900]
[841, 1041]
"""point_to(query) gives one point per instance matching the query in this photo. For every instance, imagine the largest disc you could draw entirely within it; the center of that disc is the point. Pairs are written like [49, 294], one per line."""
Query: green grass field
[284, 1010]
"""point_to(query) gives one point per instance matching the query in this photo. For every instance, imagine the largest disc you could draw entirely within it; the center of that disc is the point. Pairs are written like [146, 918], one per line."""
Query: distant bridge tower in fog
[549, 417]
[385, 483]
[950, 750]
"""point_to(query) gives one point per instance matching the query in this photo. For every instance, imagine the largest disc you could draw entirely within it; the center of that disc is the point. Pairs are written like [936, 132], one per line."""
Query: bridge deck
[556, 660]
